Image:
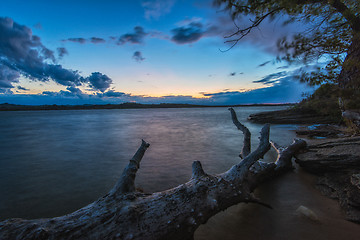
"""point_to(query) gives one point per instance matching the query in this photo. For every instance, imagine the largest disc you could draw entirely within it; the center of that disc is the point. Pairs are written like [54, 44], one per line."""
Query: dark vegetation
[330, 30]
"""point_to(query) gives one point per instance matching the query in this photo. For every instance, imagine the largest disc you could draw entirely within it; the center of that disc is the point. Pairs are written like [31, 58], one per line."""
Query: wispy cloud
[76, 40]
[272, 78]
[62, 52]
[154, 9]
[285, 90]
[264, 64]
[96, 40]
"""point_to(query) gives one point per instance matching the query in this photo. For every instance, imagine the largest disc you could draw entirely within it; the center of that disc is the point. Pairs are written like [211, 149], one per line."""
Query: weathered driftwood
[125, 213]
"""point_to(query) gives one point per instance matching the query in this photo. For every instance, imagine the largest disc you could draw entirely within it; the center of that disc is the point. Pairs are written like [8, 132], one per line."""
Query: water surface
[55, 162]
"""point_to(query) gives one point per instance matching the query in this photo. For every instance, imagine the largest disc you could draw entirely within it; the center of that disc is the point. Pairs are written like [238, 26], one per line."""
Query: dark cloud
[272, 78]
[283, 67]
[111, 94]
[5, 91]
[96, 40]
[64, 76]
[99, 81]
[22, 53]
[136, 37]
[76, 40]
[188, 34]
[232, 74]
[264, 64]
[62, 52]
[138, 56]
[285, 90]
[18, 44]
[157, 8]
[22, 88]
[8, 76]
[74, 90]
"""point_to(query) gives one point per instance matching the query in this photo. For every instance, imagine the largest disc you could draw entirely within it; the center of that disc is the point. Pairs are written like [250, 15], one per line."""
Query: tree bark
[349, 77]
[125, 213]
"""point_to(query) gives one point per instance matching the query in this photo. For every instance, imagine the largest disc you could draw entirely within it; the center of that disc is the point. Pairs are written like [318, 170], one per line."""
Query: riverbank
[293, 116]
[332, 154]
[127, 105]
[336, 163]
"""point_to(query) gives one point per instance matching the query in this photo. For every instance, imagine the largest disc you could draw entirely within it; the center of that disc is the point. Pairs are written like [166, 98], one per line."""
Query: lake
[55, 162]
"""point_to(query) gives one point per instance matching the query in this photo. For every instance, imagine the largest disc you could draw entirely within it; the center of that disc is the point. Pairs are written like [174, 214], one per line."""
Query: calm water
[54, 162]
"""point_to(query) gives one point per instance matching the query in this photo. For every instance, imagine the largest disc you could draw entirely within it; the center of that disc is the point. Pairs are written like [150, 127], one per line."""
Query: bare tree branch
[247, 135]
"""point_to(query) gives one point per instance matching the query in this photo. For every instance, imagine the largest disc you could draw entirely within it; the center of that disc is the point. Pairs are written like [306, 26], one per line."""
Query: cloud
[62, 52]
[154, 9]
[96, 40]
[138, 56]
[111, 94]
[74, 90]
[188, 34]
[99, 81]
[22, 53]
[64, 76]
[22, 88]
[265, 36]
[8, 76]
[192, 30]
[76, 40]
[264, 64]
[5, 91]
[286, 90]
[136, 37]
[232, 74]
[272, 78]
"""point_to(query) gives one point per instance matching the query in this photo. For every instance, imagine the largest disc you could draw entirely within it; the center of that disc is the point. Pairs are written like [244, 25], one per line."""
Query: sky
[145, 51]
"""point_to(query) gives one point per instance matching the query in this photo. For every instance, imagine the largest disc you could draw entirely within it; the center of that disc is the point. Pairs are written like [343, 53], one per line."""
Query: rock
[331, 155]
[322, 131]
[308, 213]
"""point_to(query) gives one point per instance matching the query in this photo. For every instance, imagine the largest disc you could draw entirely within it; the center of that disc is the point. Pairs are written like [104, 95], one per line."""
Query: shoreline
[332, 156]
[128, 105]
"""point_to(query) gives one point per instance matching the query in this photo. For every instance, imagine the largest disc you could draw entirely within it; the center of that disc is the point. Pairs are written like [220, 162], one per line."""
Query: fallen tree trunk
[125, 213]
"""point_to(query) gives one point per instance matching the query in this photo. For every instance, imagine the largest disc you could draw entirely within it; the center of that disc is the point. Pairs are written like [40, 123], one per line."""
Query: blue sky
[147, 51]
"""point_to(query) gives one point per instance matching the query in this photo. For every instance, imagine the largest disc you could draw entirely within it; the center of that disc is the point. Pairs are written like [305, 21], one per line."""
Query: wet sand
[285, 194]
